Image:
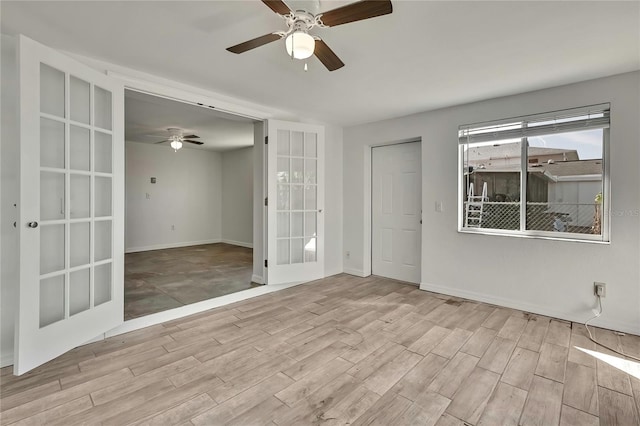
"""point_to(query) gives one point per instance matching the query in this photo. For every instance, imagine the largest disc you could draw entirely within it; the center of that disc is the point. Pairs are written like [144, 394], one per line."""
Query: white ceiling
[147, 119]
[425, 55]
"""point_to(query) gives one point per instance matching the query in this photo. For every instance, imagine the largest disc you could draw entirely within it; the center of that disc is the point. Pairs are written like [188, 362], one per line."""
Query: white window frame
[463, 139]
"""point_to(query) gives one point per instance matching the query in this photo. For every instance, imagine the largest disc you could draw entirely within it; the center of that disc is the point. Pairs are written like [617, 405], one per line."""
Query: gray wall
[258, 205]
[183, 207]
[544, 276]
[237, 197]
[9, 196]
[333, 213]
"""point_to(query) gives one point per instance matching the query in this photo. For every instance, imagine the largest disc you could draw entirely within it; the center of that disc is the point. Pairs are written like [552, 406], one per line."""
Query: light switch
[439, 207]
[153, 180]
[148, 196]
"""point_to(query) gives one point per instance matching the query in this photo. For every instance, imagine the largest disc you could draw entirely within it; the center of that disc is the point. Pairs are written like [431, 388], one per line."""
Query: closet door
[396, 194]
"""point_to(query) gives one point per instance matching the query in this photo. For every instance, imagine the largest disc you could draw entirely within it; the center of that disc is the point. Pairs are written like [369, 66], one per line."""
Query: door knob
[32, 224]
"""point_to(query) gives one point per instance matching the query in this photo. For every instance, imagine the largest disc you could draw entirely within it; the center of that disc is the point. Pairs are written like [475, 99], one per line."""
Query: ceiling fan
[177, 138]
[299, 43]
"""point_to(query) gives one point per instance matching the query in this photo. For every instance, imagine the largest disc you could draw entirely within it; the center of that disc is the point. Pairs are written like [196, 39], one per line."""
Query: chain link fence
[552, 217]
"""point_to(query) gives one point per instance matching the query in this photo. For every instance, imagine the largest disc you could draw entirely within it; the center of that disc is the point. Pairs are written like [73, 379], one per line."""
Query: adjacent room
[188, 205]
[296, 212]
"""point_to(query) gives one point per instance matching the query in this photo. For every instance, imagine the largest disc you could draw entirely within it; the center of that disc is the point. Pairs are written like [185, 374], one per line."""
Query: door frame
[367, 258]
[165, 89]
[156, 86]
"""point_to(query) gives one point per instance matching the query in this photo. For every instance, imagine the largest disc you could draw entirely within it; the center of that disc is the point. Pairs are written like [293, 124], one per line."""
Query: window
[542, 175]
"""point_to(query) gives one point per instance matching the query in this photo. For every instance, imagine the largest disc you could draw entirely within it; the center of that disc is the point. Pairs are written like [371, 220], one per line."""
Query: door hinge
[266, 140]
[266, 263]
[266, 201]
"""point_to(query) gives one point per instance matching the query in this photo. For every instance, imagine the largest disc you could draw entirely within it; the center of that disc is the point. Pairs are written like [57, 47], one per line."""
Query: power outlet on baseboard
[599, 289]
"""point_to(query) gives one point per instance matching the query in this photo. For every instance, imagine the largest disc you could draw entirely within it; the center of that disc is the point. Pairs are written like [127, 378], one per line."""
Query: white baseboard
[257, 279]
[332, 272]
[356, 272]
[171, 245]
[626, 327]
[98, 338]
[6, 359]
[237, 243]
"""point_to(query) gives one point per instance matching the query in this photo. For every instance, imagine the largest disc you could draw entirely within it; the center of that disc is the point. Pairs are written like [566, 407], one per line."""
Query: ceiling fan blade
[166, 140]
[252, 44]
[358, 11]
[278, 6]
[327, 57]
[194, 142]
[191, 137]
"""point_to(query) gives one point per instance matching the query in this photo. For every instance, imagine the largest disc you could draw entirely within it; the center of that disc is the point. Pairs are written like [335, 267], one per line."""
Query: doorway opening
[188, 204]
[396, 211]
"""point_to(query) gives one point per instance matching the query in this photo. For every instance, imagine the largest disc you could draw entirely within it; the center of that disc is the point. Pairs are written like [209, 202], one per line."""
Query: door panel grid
[75, 118]
[296, 204]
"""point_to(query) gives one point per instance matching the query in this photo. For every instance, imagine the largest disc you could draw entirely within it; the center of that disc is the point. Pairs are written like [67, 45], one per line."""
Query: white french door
[396, 202]
[71, 205]
[295, 189]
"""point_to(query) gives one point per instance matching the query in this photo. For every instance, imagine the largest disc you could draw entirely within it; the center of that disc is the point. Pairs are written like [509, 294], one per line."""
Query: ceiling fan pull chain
[293, 45]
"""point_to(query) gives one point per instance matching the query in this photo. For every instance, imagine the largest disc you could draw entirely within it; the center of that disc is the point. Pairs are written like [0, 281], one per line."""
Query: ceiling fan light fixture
[176, 145]
[300, 45]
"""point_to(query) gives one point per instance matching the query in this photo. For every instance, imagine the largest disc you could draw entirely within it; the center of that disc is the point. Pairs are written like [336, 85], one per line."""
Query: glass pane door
[294, 165]
[71, 217]
[75, 194]
[297, 206]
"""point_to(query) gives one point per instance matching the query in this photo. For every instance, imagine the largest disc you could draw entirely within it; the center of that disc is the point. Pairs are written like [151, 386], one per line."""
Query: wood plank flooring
[343, 350]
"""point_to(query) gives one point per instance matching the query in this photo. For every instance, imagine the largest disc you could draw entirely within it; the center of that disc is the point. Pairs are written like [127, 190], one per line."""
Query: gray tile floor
[158, 280]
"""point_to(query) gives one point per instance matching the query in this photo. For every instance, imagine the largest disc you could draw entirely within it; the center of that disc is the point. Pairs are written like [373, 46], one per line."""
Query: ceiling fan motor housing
[300, 20]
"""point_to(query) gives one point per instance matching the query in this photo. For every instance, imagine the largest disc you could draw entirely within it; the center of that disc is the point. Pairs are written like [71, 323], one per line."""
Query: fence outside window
[552, 217]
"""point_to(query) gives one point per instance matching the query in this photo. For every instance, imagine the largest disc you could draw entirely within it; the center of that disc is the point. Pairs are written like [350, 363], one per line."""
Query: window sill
[535, 235]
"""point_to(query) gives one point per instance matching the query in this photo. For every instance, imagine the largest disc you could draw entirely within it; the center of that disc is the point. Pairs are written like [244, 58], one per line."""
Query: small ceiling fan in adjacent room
[177, 138]
[299, 43]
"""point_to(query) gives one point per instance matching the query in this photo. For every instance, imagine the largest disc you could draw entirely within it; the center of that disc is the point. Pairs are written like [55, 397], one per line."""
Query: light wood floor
[343, 350]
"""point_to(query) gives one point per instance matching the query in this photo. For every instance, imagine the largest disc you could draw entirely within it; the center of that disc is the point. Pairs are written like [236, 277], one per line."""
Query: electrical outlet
[173, 227]
[348, 255]
[599, 289]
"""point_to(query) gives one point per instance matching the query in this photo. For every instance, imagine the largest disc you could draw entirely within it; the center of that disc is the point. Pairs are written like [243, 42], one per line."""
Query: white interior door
[71, 205]
[295, 188]
[396, 201]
